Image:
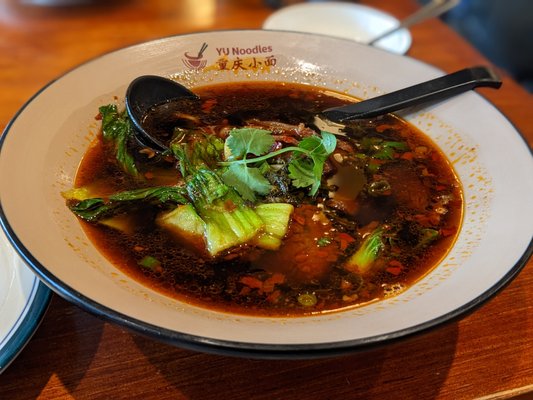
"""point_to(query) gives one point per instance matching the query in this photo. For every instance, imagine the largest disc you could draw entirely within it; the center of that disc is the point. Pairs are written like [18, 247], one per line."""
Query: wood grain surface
[74, 355]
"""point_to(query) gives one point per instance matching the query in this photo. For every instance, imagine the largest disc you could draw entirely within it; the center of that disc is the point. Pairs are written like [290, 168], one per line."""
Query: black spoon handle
[436, 89]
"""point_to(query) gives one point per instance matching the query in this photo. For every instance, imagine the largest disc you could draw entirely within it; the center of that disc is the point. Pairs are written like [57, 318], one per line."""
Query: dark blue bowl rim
[26, 325]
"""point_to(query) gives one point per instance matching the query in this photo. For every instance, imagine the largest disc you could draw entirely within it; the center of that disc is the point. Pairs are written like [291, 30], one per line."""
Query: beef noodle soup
[254, 210]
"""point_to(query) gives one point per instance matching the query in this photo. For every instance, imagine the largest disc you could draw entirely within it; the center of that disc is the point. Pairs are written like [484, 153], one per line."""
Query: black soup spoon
[148, 91]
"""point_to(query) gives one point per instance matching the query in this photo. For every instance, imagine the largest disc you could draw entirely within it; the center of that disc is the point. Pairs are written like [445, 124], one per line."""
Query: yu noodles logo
[196, 61]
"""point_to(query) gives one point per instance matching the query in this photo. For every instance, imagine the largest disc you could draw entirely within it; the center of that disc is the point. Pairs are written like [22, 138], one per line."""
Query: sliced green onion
[323, 241]
[386, 153]
[428, 235]
[397, 145]
[149, 262]
[307, 299]
[373, 165]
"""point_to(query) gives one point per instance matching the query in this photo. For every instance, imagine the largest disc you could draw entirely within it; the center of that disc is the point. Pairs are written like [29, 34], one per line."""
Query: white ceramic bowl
[344, 20]
[42, 147]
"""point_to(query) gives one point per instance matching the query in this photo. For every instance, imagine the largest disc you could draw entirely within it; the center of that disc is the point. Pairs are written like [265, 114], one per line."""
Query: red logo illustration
[195, 61]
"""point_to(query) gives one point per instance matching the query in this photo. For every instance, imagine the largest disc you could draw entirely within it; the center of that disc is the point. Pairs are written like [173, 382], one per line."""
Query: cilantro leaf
[308, 171]
[329, 141]
[246, 180]
[245, 141]
[305, 167]
[301, 172]
[319, 147]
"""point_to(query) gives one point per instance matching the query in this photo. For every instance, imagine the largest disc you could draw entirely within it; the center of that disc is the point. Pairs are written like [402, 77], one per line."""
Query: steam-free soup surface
[385, 208]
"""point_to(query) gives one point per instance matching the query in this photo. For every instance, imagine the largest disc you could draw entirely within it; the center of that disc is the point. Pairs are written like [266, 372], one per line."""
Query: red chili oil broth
[306, 275]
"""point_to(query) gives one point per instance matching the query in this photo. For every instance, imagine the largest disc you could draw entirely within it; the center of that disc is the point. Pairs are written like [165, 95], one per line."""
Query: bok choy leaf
[117, 130]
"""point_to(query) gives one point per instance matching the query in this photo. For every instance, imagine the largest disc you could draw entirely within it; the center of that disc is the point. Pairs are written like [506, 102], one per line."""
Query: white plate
[23, 302]
[55, 127]
[344, 20]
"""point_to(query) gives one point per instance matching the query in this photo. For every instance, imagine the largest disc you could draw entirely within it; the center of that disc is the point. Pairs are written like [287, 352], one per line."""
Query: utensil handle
[436, 89]
[430, 10]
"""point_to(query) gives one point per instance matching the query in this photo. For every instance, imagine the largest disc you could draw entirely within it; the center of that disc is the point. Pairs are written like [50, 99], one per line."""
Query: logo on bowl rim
[258, 58]
[196, 62]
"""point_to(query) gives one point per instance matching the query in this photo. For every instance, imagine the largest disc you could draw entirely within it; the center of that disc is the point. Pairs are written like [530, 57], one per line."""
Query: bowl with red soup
[253, 231]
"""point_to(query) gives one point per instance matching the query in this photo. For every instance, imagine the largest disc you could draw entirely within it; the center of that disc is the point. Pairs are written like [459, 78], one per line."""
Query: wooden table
[488, 354]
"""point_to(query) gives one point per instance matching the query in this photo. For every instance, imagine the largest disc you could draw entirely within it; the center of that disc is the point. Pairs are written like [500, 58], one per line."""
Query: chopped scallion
[323, 241]
[307, 299]
[149, 262]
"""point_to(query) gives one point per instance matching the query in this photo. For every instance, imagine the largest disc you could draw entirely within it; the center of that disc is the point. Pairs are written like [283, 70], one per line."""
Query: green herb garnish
[247, 180]
[150, 262]
[245, 141]
[324, 241]
[305, 166]
[307, 299]
[307, 170]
